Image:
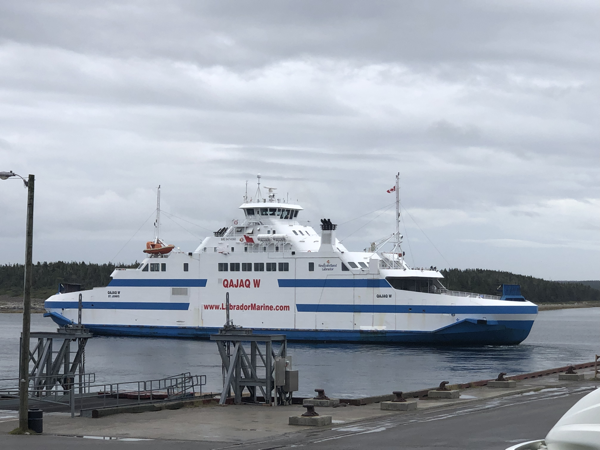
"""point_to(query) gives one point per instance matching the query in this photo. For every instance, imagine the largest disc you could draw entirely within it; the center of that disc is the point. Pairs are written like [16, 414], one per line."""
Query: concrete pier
[502, 384]
[482, 417]
[455, 393]
[399, 406]
[571, 377]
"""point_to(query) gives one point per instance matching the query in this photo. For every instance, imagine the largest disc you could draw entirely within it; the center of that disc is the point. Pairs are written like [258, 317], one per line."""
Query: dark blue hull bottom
[466, 332]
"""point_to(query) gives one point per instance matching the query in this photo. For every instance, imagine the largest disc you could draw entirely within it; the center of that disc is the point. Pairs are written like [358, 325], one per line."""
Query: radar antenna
[271, 193]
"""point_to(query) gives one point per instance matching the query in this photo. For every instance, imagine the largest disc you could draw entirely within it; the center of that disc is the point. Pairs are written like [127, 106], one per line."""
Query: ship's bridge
[261, 211]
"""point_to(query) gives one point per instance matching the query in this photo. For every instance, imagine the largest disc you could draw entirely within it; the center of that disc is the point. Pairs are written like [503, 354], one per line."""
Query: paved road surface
[491, 424]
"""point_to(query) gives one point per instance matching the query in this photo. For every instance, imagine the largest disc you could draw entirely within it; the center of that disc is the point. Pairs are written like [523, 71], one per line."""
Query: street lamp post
[24, 355]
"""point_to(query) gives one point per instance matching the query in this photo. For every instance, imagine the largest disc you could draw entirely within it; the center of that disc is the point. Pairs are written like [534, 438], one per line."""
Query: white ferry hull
[352, 308]
[282, 277]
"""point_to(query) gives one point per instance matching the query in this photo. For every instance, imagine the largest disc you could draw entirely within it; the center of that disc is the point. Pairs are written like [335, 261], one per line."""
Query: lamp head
[7, 175]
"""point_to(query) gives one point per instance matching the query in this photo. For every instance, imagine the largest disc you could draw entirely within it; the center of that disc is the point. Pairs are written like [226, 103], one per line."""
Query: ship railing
[467, 294]
[387, 263]
[87, 394]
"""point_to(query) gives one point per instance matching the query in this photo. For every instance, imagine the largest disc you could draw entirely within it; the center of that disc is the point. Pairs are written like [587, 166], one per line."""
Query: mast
[398, 209]
[258, 193]
[397, 236]
[157, 222]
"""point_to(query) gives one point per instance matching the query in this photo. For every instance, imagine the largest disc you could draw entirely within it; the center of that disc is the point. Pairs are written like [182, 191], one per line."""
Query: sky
[488, 110]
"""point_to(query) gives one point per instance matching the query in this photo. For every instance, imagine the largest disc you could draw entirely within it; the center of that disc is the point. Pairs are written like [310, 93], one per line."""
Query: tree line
[533, 289]
[48, 276]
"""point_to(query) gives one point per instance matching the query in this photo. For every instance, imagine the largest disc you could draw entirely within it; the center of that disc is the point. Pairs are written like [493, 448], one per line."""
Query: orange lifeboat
[158, 247]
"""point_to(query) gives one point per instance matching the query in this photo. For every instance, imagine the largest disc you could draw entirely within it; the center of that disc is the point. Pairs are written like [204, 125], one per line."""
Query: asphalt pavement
[482, 418]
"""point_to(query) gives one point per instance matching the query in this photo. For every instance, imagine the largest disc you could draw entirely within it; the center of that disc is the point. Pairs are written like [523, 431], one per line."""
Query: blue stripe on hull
[465, 332]
[333, 283]
[416, 309]
[150, 306]
[316, 308]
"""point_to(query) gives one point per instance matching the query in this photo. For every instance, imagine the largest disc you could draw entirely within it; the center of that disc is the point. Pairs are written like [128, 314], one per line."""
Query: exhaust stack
[327, 235]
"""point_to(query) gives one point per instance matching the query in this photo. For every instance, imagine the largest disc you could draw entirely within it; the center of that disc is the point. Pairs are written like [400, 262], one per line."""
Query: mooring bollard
[443, 386]
[443, 392]
[321, 400]
[571, 375]
[398, 398]
[310, 418]
[310, 411]
[321, 395]
[502, 382]
[399, 403]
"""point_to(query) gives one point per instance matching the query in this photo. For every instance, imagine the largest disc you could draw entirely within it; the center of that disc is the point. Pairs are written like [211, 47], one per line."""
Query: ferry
[280, 276]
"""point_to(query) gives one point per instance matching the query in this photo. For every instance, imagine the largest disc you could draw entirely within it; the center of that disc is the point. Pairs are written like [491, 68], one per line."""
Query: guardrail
[468, 294]
[128, 392]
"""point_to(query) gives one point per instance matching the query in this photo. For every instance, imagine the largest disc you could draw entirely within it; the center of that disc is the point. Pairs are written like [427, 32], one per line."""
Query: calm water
[558, 338]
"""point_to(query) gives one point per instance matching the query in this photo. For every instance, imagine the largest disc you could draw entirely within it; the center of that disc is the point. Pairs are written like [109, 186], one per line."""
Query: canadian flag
[248, 239]
[389, 191]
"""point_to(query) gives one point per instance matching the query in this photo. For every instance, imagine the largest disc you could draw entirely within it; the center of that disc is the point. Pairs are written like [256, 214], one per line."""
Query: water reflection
[344, 370]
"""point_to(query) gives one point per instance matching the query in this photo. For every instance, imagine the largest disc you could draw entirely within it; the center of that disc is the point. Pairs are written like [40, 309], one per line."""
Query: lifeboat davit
[158, 248]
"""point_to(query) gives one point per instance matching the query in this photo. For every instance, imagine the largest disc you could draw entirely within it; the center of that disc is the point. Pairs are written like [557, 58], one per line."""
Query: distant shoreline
[15, 305]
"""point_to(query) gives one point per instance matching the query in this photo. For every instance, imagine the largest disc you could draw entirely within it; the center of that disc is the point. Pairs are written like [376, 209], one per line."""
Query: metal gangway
[86, 393]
